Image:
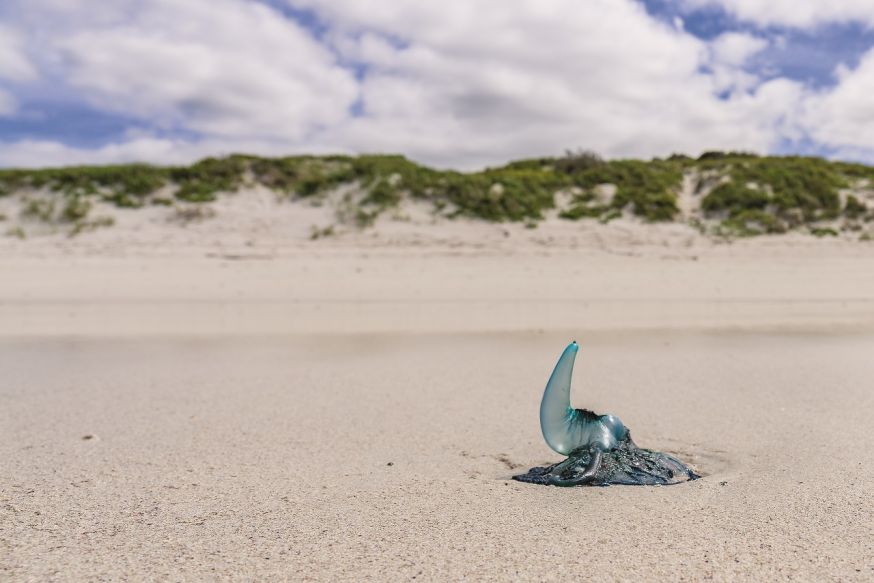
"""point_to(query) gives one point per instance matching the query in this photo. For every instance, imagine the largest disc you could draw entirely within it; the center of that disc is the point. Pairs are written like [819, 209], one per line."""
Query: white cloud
[843, 117]
[460, 83]
[35, 153]
[471, 82]
[220, 67]
[8, 103]
[15, 67]
[14, 64]
[729, 52]
[133, 148]
[735, 48]
[794, 13]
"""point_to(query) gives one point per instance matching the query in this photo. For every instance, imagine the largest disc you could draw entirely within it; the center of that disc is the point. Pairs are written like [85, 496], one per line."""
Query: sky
[456, 83]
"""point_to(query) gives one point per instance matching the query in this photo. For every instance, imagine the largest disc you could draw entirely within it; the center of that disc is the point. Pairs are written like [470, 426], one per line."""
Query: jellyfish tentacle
[594, 463]
[587, 476]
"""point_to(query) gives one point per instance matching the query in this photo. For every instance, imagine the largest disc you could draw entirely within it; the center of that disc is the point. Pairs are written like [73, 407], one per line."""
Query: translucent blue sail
[565, 428]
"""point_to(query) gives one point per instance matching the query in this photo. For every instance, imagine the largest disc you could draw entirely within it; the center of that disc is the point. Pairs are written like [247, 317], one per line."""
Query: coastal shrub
[39, 209]
[498, 194]
[321, 232]
[609, 215]
[201, 182]
[753, 222]
[584, 205]
[382, 194]
[793, 191]
[495, 194]
[396, 175]
[548, 164]
[854, 208]
[122, 200]
[325, 176]
[807, 184]
[719, 155]
[648, 187]
[280, 174]
[304, 176]
[854, 171]
[583, 211]
[130, 179]
[133, 184]
[734, 198]
[140, 180]
[13, 180]
[75, 209]
[82, 226]
[577, 161]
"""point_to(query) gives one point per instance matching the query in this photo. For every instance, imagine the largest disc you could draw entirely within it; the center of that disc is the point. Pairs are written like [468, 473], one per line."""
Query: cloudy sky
[453, 83]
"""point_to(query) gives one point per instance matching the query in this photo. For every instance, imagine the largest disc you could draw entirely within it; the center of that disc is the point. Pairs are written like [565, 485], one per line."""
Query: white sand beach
[178, 407]
[282, 283]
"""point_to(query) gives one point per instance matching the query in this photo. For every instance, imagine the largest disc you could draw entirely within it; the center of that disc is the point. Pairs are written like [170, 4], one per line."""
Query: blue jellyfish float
[599, 447]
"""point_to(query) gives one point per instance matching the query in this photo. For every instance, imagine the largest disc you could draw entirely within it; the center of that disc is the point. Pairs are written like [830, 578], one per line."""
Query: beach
[285, 284]
[354, 409]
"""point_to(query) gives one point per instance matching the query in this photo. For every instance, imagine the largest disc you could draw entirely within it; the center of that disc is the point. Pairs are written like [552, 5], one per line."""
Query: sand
[353, 408]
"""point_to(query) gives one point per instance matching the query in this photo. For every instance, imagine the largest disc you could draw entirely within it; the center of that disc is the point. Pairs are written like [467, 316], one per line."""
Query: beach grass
[747, 194]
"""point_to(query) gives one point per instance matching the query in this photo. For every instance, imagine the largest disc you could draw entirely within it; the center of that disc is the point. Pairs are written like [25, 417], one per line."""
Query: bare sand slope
[325, 290]
[388, 457]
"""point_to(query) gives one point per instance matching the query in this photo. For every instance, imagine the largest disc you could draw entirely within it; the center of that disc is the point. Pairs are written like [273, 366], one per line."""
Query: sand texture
[353, 410]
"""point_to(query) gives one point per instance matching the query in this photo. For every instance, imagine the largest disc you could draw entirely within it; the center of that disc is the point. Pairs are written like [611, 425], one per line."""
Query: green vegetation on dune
[495, 194]
[498, 195]
[133, 180]
[807, 185]
[783, 193]
[854, 208]
[201, 182]
[649, 189]
[743, 194]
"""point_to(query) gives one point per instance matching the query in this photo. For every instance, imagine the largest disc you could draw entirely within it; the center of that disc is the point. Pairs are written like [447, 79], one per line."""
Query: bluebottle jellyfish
[599, 447]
